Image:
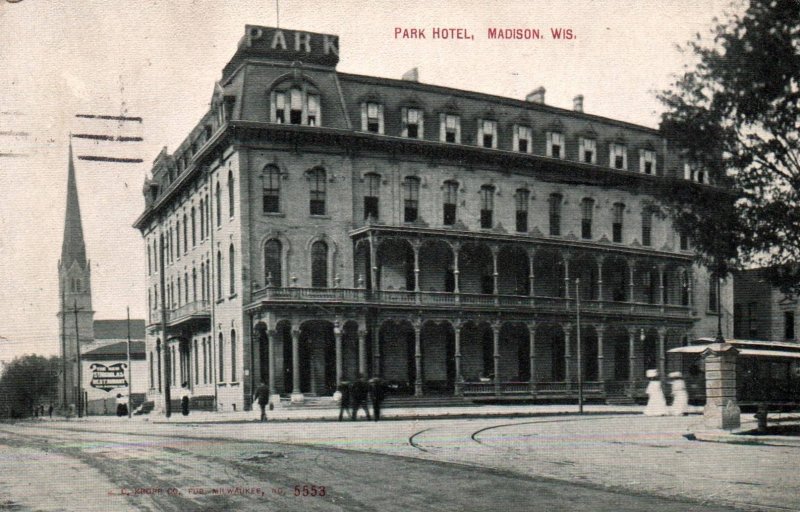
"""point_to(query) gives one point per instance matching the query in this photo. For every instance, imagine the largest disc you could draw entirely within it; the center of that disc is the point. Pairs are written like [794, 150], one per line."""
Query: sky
[159, 60]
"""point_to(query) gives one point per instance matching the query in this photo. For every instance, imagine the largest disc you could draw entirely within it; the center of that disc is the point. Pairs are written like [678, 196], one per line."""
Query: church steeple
[73, 248]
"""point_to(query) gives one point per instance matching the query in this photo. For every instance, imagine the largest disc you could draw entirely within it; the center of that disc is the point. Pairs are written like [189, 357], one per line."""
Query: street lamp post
[580, 359]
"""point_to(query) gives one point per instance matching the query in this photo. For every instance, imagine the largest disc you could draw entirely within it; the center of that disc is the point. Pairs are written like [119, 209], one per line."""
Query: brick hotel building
[316, 224]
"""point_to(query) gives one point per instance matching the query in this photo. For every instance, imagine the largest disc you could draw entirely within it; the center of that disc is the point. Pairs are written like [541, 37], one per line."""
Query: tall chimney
[577, 103]
[536, 96]
[412, 75]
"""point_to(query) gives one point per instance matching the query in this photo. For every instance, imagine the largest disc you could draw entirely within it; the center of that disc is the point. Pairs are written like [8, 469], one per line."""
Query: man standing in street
[262, 396]
[376, 391]
[358, 397]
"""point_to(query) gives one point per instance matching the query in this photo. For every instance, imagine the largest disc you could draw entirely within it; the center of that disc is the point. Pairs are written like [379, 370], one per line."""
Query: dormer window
[587, 150]
[450, 130]
[412, 123]
[522, 138]
[647, 161]
[372, 117]
[618, 156]
[487, 133]
[555, 144]
[296, 106]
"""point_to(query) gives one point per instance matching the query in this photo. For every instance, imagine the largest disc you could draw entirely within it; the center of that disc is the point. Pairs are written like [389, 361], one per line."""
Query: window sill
[222, 384]
[232, 384]
[232, 296]
[712, 313]
[319, 216]
[274, 214]
[219, 301]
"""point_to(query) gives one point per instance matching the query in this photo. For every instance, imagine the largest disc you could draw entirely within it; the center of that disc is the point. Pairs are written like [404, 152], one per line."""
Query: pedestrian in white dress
[656, 403]
[680, 398]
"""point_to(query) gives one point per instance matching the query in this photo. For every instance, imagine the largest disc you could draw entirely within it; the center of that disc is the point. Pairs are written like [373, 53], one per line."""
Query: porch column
[297, 395]
[689, 283]
[532, 355]
[631, 270]
[272, 336]
[457, 349]
[662, 355]
[661, 298]
[495, 251]
[566, 257]
[362, 352]
[456, 246]
[373, 263]
[531, 279]
[600, 260]
[567, 353]
[418, 358]
[337, 334]
[496, 344]
[415, 246]
[632, 331]
[376, 350]
[600, 328]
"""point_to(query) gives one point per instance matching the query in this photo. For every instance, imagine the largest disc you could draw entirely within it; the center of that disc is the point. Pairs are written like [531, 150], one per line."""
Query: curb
[733, 438]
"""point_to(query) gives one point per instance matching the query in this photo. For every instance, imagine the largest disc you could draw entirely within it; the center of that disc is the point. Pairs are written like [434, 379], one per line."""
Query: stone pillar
[600, 281]
[297, 395]
[373, 263]
[721, 410]
[662, 354]
[272, 338]
[661, 288]
[415, 246]
[418, 358]
[337, 334]
[456, 290]
[566, 279]
[496, 355]
[567, 353]
[457, 356]
[600, 328]
[362, 352]
[632, 331]
[631, 273]
[376, 351]
[531, 275]
[532, 355]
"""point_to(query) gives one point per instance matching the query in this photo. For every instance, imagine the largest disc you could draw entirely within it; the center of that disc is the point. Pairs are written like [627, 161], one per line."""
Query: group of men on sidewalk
[352, 397]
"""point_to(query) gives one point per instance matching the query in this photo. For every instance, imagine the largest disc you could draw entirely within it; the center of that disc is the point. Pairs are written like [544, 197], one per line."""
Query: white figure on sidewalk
[656, 403]
[680, 398]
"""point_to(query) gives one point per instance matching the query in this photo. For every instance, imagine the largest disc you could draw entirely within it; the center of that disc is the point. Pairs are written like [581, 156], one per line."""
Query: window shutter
[363, 117]
[515, 138]
[611, 154]
[641, 160]
[494, 135]
[442, 127]
[549, 144]
[458, 129]
[380, 118]
[273, 116]
[479, 136]
[420, 119]
[404, 119]
[624, 149]
[581, 150]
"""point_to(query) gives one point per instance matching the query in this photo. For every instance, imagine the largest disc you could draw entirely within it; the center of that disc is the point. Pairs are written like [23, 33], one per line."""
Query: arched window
[319, 264]
[487, 206]
[272, 189]
[205, 361]
[185, 234]
[616, 226]
[221, 353]
[196, 364]
[178, 238]
[231, 208]
[202, 221]
[317, 189]
[194, 284]
[450, 204]
[411, 199]
[273, 275]
[218, 194]
[208, 279]
[647, 227]
[203, 280]
[149, 263]
[194, 233]
[299, 104]
[231, 269]
[219, 274]
[523, 196]
[555, 214]
[152, 377]
[371, 195]
[587, 207]
[233, 355]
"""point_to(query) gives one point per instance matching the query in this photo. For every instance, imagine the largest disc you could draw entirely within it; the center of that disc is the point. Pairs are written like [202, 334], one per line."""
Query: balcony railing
[443, 299]
[196, 309]
[561, 388]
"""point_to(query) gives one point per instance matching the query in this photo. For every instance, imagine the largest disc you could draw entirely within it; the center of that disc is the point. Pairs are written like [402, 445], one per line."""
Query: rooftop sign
[290, 45]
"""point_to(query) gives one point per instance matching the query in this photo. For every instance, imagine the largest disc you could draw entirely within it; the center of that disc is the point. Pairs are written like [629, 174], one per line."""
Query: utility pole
[580, 359]
[165, 351]
[130, 368]
[78, 352]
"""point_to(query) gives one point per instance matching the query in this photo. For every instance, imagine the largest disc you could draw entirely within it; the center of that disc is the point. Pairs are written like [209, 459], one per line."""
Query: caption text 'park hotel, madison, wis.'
[315, 225]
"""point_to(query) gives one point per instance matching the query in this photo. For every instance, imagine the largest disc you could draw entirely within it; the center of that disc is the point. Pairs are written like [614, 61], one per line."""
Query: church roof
[118, 329]
[117, 350]
[73, 247]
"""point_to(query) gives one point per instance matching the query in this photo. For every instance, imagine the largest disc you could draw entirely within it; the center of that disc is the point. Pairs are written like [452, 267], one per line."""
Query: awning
[751, 352]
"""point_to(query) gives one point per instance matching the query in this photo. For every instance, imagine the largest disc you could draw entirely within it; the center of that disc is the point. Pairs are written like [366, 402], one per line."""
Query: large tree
[736, 113]
[27, 382]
